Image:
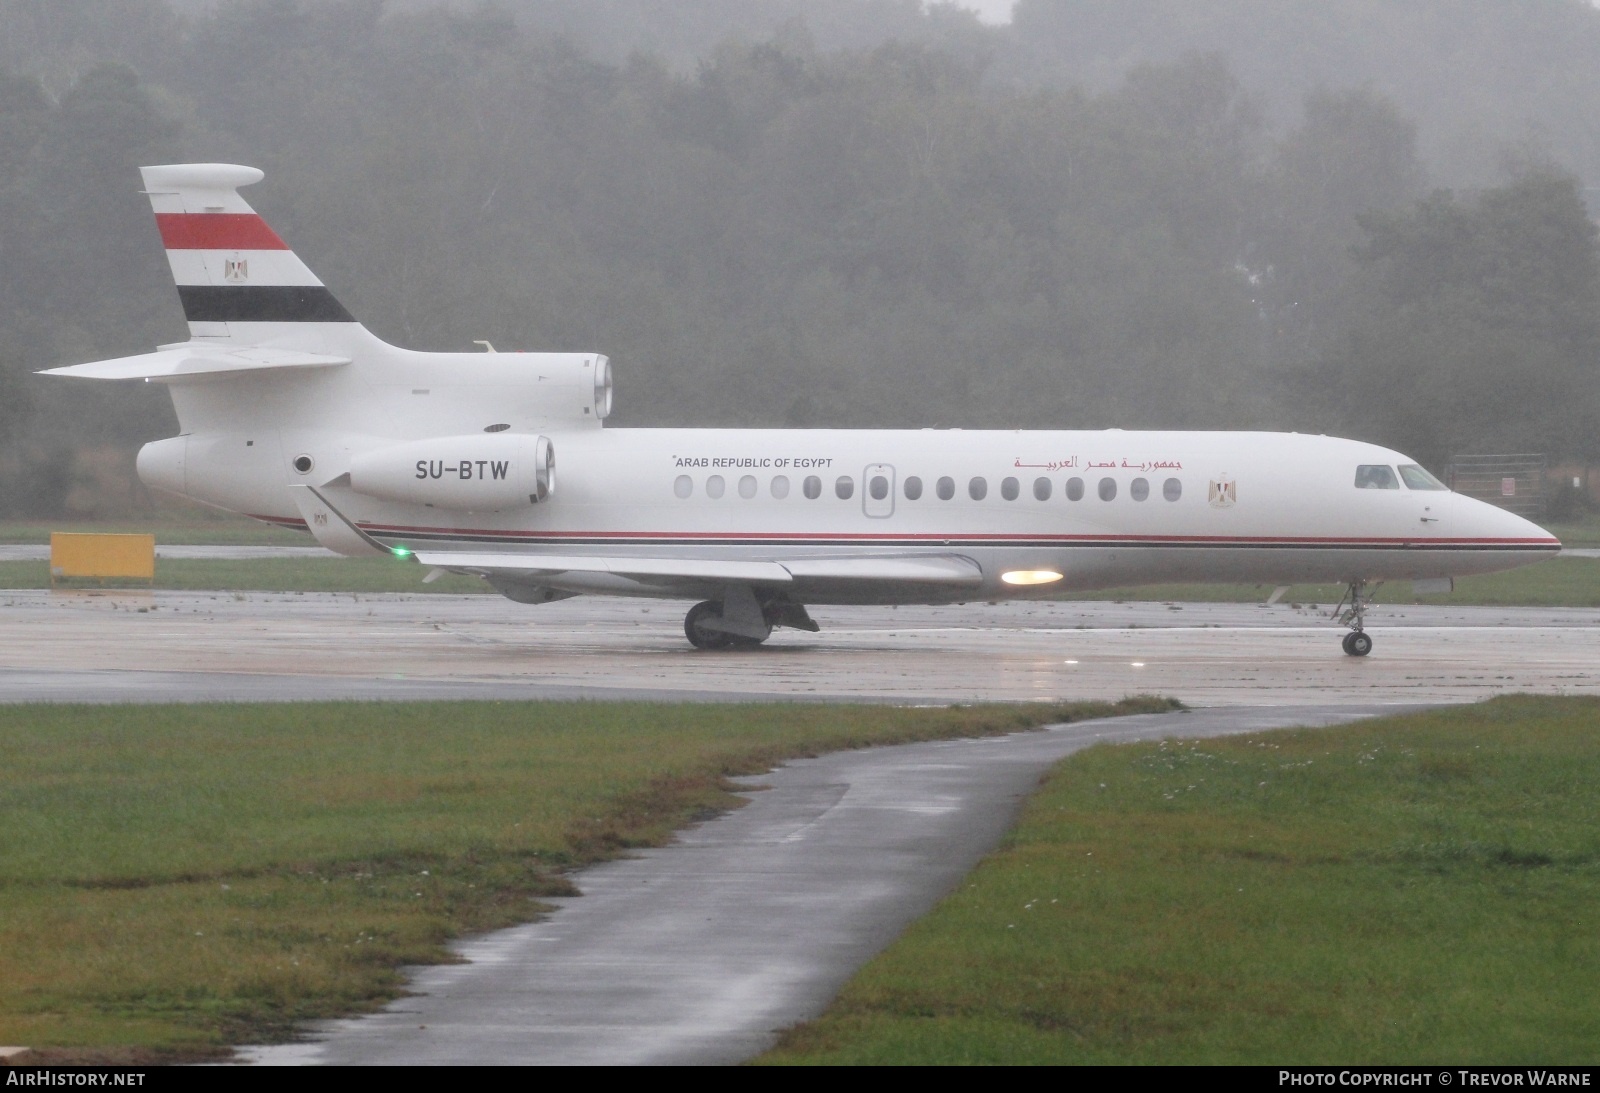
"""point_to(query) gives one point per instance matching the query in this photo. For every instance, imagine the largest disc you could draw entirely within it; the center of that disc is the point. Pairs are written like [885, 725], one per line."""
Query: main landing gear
[740, 620]
[1357, 643]
[702, 627]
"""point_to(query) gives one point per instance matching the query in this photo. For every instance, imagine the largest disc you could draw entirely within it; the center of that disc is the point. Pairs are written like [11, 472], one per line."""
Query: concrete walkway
[700, 952]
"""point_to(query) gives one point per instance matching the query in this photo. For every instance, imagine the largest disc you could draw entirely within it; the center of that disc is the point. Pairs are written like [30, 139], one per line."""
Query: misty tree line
[789, 234]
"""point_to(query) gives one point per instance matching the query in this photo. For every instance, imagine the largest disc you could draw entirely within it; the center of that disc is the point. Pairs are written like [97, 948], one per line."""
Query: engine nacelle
[163, 464]
[474, 473]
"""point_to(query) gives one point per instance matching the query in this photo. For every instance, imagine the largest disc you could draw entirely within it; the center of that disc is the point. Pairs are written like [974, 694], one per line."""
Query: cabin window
[844, 487]
[780, 486]
[1074, 489]
[978, 489]
[1139, 489]
[946, 488]
[1376, 477]
[1417, 478]
[683, 485]
[1108, 489]
[878, 487]
[1041, 489]
[1172, 489]
[714, 486]
[500, 428]
[1010, 488]
[747, 486]
[812, 487]
[913, 488]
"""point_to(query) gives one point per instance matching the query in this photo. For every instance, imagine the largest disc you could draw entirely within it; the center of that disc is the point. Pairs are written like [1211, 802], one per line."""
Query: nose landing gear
[1357, 643]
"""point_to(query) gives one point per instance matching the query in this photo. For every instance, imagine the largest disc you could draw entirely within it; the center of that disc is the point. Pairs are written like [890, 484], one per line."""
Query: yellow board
[74, 554]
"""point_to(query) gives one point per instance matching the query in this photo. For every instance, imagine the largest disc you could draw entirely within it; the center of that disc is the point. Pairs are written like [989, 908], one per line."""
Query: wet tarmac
[188, 646]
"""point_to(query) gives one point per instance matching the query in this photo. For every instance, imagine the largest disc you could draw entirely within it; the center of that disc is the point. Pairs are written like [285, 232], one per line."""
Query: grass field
[1561, 582]
[193, 526]
[1419, 889]
[177, 878]
[271, 575]
[1578, 531]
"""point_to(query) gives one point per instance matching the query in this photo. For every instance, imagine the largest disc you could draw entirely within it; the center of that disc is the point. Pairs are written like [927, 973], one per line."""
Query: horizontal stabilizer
[180, 363]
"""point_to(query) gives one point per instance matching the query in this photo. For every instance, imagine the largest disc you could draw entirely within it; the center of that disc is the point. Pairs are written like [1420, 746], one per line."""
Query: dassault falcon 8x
[293, 413]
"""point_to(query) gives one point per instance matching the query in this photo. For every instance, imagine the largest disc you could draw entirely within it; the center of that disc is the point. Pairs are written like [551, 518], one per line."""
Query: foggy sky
[990, 11]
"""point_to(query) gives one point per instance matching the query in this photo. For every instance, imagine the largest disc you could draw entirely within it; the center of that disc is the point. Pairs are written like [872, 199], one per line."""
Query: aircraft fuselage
[1103, 509]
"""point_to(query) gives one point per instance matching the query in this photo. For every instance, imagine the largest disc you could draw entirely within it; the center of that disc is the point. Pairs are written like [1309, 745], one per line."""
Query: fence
[1514, 481]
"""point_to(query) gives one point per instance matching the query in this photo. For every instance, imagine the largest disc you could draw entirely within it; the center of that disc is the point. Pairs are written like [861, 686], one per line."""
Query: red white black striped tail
[230, 267]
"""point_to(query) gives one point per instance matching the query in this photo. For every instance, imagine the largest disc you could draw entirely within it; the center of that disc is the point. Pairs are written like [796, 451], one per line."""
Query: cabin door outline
[873, 505]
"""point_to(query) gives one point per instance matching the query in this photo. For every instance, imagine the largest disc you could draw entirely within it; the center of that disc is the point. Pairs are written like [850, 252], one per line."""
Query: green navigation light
[400, 552]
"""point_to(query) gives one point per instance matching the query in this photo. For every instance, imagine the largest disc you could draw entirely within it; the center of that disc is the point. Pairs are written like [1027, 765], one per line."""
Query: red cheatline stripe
[955, 538]
[217, 231]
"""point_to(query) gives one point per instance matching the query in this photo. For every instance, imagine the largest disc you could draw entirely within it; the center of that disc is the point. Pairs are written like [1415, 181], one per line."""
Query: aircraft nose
[1493, 528]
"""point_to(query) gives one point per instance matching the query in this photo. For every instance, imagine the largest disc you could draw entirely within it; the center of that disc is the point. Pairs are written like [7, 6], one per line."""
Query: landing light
[1030, 576]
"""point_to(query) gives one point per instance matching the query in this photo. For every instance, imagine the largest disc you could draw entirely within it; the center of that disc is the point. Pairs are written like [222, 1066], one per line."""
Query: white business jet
[293, 413]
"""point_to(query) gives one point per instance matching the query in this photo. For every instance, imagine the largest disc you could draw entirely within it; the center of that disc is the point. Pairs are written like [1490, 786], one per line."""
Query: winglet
[332, 528]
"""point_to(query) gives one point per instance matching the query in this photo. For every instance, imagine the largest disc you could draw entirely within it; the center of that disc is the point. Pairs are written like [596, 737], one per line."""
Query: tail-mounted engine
[474, 473]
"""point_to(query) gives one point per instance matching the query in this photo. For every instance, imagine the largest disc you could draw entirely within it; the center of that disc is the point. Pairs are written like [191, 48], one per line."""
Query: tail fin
[234, 273]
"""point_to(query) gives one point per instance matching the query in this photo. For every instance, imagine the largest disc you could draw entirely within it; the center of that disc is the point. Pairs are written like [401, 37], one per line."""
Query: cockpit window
[1419, 479]
[1376, 477]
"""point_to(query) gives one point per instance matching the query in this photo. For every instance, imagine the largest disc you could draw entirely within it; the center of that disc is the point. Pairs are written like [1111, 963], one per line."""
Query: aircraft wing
[938, 569]
[184, 362]
[649, 570]
[952, 569]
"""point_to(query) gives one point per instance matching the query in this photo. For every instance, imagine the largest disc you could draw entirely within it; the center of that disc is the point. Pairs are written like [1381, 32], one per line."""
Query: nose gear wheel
[1357, 643]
